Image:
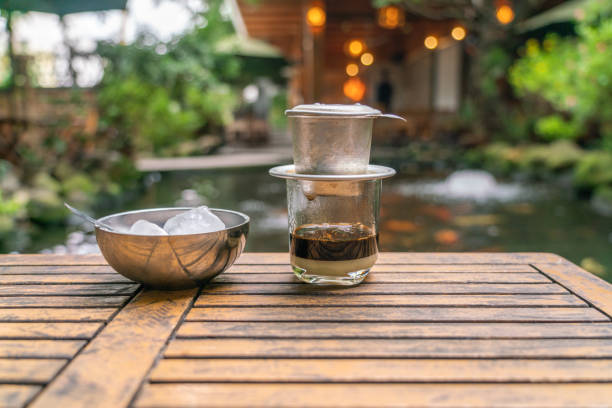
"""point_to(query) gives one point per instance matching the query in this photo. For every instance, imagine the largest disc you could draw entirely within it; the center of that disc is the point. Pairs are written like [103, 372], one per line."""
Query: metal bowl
[172, 261]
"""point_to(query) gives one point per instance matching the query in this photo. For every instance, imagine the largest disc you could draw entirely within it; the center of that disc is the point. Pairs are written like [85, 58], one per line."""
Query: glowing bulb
[458, 33]
[431, 42]
[367, 59]
[504, 14]
[391, 17]
[315, 16]
[354, 89]
[352, 69]
[356, 47]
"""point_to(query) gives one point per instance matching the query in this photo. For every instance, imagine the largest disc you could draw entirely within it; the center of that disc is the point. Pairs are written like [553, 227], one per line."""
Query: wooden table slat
[383, 268]
[49, 330]
[55, 269]
[323, 300]
[427, 348]
[62, 301]
[394, 330]
[29, 371]
[370, 370]
[87, 289]
[308, 348]
[388, 289]
[39, 279]
[400, 277]
[40, 348]
[405, 314]
[378, 395]
[55, 314]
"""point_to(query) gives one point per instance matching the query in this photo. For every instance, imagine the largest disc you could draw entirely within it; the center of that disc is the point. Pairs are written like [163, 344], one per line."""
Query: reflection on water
[465, 212]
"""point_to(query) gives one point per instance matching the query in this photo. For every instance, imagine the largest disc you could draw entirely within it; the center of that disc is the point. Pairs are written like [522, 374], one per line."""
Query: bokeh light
[354, 89]
[431, 42]
[367, 59]
[458, 33]
[355, 48]
[504, 14]
[352, 69]
[390, 17]
[315, 17]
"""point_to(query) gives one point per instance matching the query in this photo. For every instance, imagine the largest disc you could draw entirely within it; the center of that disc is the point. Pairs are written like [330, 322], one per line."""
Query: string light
[354, 89]
[315, 16]
[504, 14]
[367, 59]
[391, 17]
[431, 42]
[458, 33]
[352, 69]
[355, 48]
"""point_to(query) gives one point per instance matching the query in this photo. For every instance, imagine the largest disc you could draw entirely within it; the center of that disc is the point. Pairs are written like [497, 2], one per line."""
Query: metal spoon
[89, 218]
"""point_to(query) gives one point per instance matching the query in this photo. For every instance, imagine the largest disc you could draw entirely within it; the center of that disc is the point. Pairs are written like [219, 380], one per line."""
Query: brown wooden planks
[387, 289]
[596, 290]
[53, 269]
[40, 348]
[423, 258]
[400, 277]
[21, 279]
[398, 314]
[323, 300]
[16, 395]
[305, 348]
[40, 259]
[120, 355]
[391, 370]
[46, 330]
[379, 268]
[55, 314]
[394, 330]
[62, 301]
[375, 395]
[29, 371]
[438, 348]
[87, 289]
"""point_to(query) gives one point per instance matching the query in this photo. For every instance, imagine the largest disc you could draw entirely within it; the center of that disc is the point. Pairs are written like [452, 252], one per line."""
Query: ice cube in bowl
[172, 261]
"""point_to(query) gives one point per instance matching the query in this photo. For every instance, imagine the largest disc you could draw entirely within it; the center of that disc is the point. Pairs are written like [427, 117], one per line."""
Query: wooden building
[321, 39]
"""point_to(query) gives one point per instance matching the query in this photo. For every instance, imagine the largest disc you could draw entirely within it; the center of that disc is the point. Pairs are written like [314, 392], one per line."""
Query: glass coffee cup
[333, 223]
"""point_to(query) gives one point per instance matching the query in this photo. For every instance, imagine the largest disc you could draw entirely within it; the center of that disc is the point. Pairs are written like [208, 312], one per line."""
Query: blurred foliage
[155, 95]
[574, 76]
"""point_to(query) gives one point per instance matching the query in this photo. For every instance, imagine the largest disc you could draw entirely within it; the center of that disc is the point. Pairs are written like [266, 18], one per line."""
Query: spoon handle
[87, 217]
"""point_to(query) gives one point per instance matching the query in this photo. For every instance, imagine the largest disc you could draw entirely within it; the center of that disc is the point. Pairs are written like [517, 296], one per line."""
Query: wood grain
[387, 289]
[29, 371]
[62, 301]
[53, 269]
[49, 330]
[120, 355]
[391, 300]
[397, 314]
[380, 268]
[55, 314]
[314, 348]
[411, 258]
[376, 395]
[89, 289]
[315, 330]
[21, 279]
[596, 290]
[399, 277]
[46, 259]
[14, 396]
[389, 370]
[440, 348]
[40, 348]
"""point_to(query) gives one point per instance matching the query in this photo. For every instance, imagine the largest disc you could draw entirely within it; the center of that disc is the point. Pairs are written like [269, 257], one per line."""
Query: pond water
[463, 212]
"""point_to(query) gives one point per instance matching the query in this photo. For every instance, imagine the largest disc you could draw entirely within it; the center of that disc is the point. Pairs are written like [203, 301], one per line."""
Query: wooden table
[424, 330]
